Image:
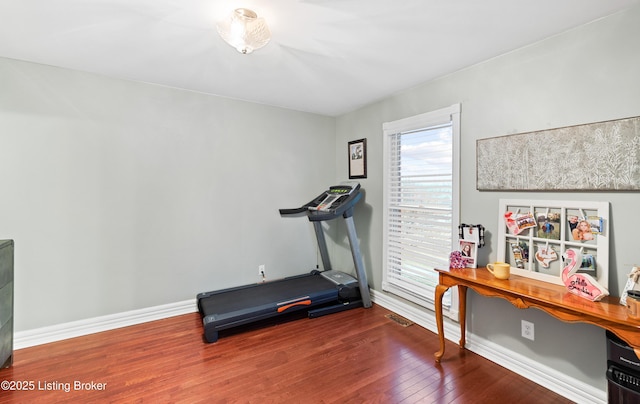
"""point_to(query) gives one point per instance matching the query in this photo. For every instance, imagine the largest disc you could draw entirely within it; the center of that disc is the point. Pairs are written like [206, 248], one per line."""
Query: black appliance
[623, 372]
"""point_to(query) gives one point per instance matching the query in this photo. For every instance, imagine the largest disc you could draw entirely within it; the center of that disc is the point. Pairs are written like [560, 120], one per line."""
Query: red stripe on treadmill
[288, 306]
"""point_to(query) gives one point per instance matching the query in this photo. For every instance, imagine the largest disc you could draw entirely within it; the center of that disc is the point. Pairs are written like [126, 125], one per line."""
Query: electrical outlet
[528, 331]
[261, 270]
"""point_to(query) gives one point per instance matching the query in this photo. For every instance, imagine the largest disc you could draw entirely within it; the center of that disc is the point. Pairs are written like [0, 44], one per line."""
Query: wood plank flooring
[357, 356]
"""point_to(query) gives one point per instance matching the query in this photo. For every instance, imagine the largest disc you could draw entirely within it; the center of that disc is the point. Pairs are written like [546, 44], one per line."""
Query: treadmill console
[334, 202]
[334, 196]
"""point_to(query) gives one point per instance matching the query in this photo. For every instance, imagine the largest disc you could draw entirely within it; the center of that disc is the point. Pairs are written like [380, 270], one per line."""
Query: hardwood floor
[357, 356]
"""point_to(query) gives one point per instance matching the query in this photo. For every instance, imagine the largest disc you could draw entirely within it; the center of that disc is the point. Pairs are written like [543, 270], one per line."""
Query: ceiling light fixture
[244, 30]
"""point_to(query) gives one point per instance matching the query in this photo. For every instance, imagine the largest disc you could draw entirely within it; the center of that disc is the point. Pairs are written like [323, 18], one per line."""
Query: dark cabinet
[6, 303]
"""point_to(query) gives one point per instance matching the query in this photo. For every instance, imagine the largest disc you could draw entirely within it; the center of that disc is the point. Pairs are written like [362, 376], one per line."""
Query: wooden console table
[524, 293]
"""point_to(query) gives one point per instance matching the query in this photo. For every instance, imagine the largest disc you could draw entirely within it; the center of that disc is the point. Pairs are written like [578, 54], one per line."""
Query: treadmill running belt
[266, 293]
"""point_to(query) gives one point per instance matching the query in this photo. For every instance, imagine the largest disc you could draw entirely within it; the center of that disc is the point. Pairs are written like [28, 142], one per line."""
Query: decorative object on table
[473, 232]
[633, 304]
[469, 253]
[632, 284]
[471, 237]
[535, 252]
[456, 260]
[357, 150]
[500, 270]
[594, 156]
[582, 285]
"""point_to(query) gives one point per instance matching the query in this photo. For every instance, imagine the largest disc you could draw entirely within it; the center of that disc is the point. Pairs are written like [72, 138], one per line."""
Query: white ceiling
[325, 56]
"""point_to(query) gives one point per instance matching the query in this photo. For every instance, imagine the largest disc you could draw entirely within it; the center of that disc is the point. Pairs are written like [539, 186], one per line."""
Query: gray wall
[586, 75]
[112, 189]
[122, 195]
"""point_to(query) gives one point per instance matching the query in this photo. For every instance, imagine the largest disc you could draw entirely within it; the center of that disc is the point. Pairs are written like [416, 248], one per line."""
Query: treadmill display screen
[340, 190]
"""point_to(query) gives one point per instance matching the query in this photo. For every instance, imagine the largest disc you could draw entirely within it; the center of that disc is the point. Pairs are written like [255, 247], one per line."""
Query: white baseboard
[543, 375]
[44, 335]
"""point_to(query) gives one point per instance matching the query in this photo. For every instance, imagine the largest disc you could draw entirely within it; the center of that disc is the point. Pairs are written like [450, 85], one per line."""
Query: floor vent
[400, 320]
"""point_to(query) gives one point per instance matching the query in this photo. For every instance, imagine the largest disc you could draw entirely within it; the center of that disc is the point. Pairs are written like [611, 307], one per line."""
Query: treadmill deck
[237, 306]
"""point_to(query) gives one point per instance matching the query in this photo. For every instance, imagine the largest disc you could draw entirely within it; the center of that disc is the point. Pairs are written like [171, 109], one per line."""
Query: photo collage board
[534, 234]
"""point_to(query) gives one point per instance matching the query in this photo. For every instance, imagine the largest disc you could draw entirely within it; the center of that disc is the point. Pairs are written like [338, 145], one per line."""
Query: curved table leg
[440, 289]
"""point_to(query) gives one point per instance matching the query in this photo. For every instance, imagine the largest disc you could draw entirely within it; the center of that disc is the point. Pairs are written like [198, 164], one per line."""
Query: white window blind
[420, 202]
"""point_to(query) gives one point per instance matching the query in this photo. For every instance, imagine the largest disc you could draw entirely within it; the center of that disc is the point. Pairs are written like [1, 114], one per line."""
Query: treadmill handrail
[294, 211]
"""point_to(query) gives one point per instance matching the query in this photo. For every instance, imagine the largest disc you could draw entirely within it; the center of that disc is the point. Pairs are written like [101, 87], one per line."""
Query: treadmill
[319, 292]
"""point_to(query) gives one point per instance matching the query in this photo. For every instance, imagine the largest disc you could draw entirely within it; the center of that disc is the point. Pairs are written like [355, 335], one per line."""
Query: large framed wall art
[602, 156]
[533, 235]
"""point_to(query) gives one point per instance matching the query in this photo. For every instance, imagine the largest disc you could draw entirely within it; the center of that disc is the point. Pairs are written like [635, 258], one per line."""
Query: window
[421, 202]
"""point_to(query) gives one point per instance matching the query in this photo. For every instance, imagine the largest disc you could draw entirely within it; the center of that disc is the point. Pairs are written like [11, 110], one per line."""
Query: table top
[540, 294]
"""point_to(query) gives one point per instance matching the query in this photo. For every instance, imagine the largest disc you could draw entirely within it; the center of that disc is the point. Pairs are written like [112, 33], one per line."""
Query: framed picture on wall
[357, 150]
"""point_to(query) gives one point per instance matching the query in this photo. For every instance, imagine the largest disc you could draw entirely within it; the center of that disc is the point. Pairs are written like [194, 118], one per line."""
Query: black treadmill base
[334, 308]
[254, 326]
[210, 335]
[237, 307]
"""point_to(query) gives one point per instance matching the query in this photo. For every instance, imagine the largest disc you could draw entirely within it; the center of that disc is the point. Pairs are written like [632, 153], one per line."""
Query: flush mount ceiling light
[244, 30]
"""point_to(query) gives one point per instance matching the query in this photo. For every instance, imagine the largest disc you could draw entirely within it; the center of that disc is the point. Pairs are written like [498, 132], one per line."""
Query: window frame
[426, 120]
